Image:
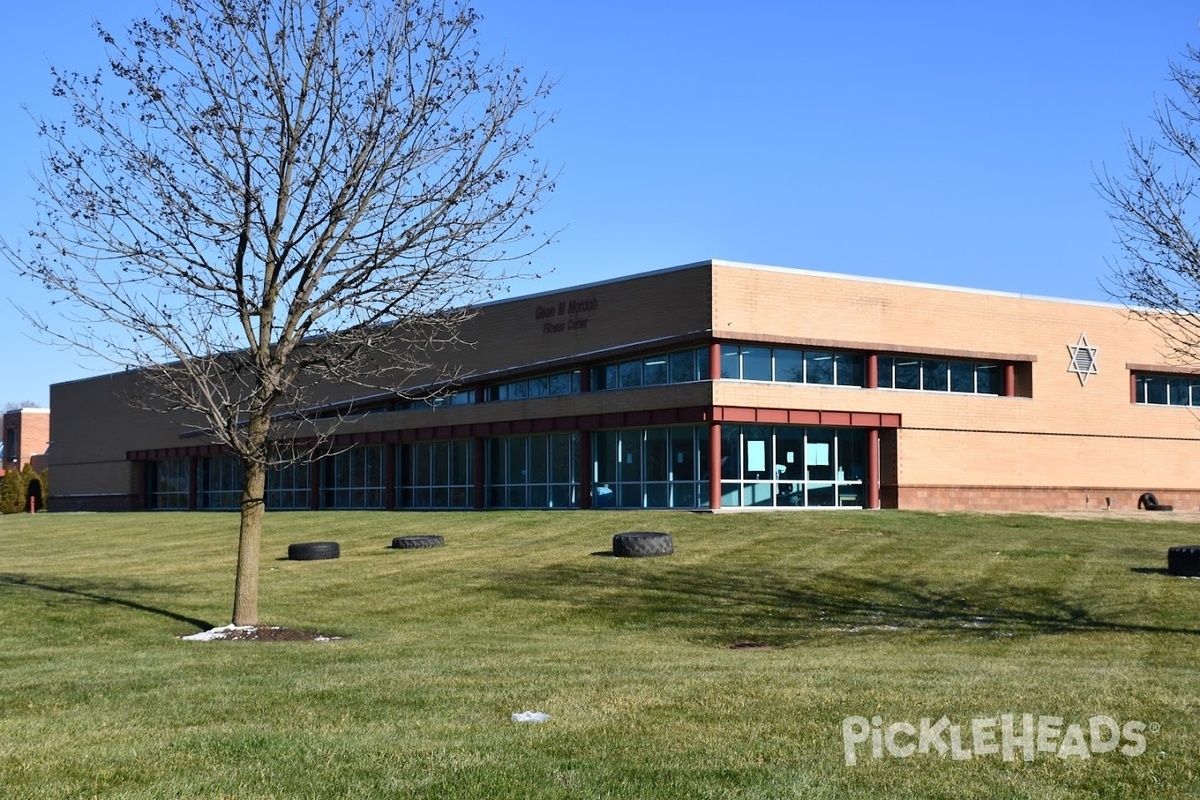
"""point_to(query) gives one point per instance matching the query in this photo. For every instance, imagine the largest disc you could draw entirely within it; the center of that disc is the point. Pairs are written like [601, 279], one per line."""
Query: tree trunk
[245, 590]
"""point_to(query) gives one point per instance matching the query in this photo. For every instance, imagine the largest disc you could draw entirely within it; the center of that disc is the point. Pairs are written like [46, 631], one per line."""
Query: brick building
[716, 386]
[26, 438]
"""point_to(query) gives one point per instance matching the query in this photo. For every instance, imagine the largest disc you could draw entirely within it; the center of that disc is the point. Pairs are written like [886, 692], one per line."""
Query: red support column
[585, 469]
[714, 361]
[873, 468]
[1010, 380]
[477, 471]
[714, 466]
[872, 370]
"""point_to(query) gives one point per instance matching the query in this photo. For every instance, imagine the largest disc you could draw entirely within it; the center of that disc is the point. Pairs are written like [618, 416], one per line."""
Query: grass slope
[891, 614]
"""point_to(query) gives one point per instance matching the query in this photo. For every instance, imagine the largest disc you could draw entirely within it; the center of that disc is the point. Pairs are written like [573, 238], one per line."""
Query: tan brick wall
[1038, 498]
[1067, 435]
[32, 431]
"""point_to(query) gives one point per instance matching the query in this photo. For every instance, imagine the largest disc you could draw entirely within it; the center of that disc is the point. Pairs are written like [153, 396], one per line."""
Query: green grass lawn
[898, 615]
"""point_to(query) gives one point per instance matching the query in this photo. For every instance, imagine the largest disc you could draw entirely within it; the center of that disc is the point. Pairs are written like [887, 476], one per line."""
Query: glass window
[440, 474]
[288, 486]
[683, 455]
[1156, 390]
[354, 478]
[630, 468]
[1178, 391]
[656, 454]
[789, 465]
[987, 379]
[731, 451]
[818, 367]
[167, 484]
[962, 376]
[758, 452]
[683, 366]
[908, 373]
[935, 375]
[849, 368]
[435, 475]
[561, 464]
[518, 390]
[560, 383]
[819, 454]
[789, 365]
[886, 366]
[461, 458]
[538, 455]
[1175, 390]
[219, 482]
[756, 363]
[539, 387]
[517, 463]
[630, 374]
[731, 365]
[654, 370]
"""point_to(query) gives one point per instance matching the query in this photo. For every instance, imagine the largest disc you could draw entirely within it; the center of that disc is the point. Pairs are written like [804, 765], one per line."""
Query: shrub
[12, 492]
[35, 482]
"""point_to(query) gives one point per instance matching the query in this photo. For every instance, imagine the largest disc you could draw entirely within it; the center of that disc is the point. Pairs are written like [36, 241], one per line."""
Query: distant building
[713, 386]
[26, 438]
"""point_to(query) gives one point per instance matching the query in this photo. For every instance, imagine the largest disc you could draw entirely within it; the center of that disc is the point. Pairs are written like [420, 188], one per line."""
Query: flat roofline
[596, 284]
[913, 284]
[716, 262]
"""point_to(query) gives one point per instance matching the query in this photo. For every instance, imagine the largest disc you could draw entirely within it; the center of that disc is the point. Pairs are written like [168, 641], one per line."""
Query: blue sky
[943, 142]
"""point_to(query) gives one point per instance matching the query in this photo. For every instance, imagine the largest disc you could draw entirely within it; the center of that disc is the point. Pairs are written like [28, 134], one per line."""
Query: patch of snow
[217, 633]
[530, 716]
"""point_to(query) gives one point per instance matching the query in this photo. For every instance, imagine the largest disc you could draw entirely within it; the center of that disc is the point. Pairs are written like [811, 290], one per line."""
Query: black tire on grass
[313, 551]
[1150, 503]
[1184, 560]
[642, 544]
[417, 542]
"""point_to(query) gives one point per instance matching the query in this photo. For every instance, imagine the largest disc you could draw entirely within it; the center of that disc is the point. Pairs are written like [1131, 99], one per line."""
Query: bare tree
[1154, 208]
[256, 199]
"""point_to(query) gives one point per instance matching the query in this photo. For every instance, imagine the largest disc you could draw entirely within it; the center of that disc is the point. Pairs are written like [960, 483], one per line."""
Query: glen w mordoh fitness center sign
[568, 315]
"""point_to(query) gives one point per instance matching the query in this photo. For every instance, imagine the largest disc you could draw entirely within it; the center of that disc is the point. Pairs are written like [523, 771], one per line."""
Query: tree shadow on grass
[93, 593]
[723, 604]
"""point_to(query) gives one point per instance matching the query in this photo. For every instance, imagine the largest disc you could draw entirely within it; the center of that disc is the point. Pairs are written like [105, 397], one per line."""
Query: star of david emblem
[1083, 359]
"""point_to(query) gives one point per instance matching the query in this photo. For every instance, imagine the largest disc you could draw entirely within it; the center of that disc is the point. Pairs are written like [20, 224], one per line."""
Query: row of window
[761, 363]
[660, 467]
[795, 365]
[940, 375]
[791, 365]
[1166, 390]
[680, 366]
[539, 386]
